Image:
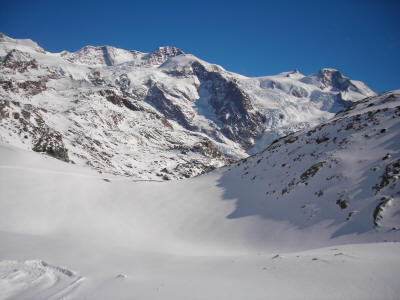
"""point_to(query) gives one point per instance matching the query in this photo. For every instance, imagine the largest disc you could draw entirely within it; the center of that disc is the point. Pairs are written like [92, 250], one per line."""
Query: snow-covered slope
[158, 115]
[343, 173]
[313, 216]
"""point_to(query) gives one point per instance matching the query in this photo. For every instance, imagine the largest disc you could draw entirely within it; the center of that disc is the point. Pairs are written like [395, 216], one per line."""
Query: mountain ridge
[176, 115]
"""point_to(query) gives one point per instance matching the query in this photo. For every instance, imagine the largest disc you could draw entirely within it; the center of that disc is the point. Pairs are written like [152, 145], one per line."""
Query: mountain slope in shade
[159, 115]
[313, 216]
[344, 172]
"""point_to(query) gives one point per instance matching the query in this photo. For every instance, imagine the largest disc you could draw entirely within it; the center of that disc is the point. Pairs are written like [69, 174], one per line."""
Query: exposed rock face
[241, 122]
[159, 115]
[332, 79]
[51, 143]
[29, 126]
[166, 106]
[162, 54]
[19, 61]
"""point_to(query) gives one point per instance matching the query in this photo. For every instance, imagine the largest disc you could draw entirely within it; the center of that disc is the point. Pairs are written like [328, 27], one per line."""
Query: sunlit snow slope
[313, 216]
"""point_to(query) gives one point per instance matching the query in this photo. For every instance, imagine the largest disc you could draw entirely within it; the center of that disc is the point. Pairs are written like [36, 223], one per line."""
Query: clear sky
[254, 38]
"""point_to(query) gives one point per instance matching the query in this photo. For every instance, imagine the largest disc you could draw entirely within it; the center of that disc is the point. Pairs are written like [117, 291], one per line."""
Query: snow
[36, 278]
[313, 216]
[222, 235]
[25, 44]
[164, 240]
[102, 56]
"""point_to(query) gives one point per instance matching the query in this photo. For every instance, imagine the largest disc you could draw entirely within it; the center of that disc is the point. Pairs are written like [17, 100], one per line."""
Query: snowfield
[313, 216]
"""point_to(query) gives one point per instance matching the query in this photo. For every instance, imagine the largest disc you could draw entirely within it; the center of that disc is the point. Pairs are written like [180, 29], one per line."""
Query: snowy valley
[300, 198]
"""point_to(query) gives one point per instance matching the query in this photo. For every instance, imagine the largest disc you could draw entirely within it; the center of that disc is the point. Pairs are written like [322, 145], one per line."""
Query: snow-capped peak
[101, 56]
[21, 42]
[110, 56]
[332, 79]
[162, 54]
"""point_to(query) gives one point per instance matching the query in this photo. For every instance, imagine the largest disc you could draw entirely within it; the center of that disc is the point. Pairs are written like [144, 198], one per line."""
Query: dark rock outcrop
[162, 54]
[232, 106]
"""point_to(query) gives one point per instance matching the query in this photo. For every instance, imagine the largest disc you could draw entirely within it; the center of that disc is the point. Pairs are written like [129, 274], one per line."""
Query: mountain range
[155, 116]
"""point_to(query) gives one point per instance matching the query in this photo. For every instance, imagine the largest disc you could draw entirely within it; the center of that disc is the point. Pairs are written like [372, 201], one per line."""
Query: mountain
[315, 215]
[160, 115]
[345, 170]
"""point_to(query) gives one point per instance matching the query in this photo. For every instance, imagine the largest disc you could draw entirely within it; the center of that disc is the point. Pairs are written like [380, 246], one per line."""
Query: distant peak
[292, 74]
[22, 42]
[3, 36]
[295, 74]
[169, 50]
[330, 77]
[93, 48]
[328, 70]
[162, 54]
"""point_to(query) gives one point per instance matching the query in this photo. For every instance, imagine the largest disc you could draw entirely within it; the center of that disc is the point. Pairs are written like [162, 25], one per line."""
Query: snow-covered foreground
[66, 232]
[360, 271]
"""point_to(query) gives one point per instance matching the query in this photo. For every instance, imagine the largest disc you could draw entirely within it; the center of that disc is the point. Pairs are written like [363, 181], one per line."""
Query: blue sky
[254, 38]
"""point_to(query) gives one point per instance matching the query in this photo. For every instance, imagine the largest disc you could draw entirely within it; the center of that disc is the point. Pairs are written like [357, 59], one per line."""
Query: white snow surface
[159, 115]
[313, 216]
